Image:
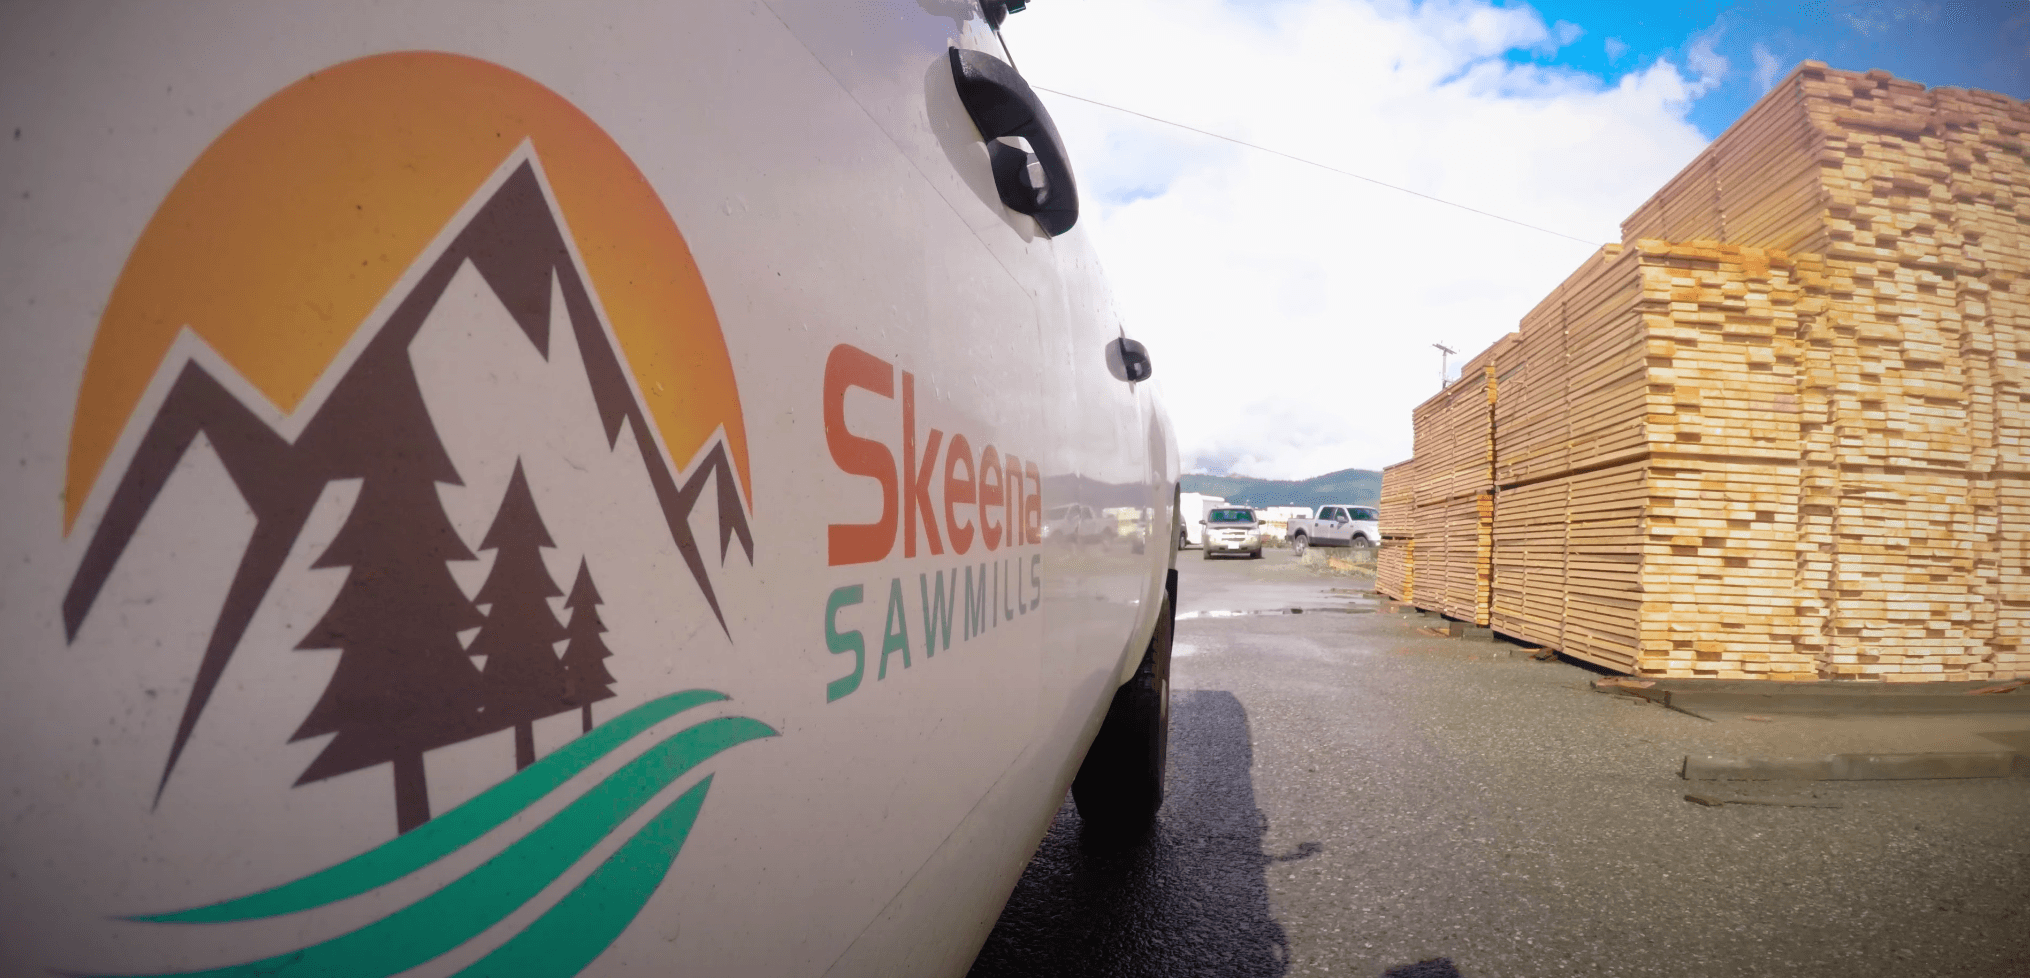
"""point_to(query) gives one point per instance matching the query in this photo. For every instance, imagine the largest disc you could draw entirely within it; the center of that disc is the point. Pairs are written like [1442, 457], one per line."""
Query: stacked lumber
[1649, 550]
[1463, 575]
[1453, 434]
[1395, 568]
[1719, 576]
[1606, 388]
[1604, 551]
[1531, 549]
[1452, 498]
[1783, 429]
[1907, 380]
[1430, 545]
[1398, 499]
[1532, 417]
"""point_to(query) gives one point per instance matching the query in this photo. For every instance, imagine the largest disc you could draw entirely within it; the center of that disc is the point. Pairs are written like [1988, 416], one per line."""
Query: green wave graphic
[448, 832]
[481, 898]
[567, 937]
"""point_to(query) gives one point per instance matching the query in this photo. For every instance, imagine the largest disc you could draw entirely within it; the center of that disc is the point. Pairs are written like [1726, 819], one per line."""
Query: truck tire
[1298, 544]
[1361, 545]
[1120, 785]
[1183, 540]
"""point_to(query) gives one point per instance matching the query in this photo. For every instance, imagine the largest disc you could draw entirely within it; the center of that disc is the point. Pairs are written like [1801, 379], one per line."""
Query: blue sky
[1971, 44]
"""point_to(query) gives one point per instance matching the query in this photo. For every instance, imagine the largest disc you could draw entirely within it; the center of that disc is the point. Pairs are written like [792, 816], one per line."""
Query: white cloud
[1703, 58]
[1616, 47]
[1289, 310]
[1766, 68]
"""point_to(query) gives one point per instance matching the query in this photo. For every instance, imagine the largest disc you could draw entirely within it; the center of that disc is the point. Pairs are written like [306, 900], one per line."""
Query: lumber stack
[1904, 535]
[1666, 541]
[1395, 570]
[1452, 498]
[1782, 430]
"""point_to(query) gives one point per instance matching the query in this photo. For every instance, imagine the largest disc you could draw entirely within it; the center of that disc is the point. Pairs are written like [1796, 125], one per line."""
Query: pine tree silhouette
[524, 680]
[586, 680]
[403, 684]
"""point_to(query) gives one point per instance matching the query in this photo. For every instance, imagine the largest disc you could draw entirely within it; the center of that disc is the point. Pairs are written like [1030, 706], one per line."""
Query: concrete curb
[1702, 697]
[1855, 767]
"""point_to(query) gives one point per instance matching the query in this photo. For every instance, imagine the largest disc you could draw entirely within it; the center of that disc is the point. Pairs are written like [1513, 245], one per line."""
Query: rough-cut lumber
[1782, 429]
[1398, 499]
[1395, 568]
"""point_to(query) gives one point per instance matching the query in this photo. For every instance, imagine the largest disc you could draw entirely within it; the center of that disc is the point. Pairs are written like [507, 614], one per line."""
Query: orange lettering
[916, 479]
[958, 490]
[1032, 505]
[849, 366]
[1011, 516]
[990, 497]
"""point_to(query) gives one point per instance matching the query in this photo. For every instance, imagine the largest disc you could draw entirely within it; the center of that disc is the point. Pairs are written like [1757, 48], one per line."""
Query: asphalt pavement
[1351, 795]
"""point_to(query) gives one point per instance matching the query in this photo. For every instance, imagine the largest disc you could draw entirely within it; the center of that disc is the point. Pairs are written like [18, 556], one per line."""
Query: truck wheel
[1183, 540]
[1120, 785]
[1298, 544]
[1361, 545]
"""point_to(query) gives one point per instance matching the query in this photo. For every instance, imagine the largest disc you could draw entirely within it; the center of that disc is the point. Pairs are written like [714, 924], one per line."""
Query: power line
[1322, 166]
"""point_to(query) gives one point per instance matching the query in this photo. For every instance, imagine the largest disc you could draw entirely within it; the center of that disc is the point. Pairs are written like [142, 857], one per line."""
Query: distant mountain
[1361, 487]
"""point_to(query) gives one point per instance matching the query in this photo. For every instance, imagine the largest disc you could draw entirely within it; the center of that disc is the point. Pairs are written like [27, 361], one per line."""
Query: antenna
[1443, 353]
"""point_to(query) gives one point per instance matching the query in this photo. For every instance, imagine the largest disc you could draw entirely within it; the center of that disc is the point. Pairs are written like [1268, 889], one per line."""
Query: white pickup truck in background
[1358, 527]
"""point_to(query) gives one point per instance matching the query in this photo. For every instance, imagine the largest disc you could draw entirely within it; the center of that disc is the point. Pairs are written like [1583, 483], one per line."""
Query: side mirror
[1128, 360]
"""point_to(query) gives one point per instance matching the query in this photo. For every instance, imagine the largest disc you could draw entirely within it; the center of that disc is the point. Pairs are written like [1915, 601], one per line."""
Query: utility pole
[1443, 352]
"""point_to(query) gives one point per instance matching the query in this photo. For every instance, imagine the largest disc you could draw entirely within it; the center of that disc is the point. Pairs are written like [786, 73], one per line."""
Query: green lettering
[1035, 582]
[842, 642]
[932, 610]
[894, 634]
[976, 607]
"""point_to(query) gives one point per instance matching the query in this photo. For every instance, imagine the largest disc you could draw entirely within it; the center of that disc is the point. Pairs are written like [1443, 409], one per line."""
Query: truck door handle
[1002, 105]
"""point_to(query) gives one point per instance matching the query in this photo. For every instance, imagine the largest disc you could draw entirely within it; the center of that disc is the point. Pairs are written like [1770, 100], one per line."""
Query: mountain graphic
[405, 683]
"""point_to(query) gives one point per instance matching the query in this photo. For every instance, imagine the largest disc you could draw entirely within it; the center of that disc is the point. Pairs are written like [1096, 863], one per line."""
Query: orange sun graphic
[296, 222]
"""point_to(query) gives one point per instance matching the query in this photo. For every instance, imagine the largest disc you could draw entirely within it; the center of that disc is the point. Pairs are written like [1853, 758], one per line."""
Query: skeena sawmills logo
[393, 283]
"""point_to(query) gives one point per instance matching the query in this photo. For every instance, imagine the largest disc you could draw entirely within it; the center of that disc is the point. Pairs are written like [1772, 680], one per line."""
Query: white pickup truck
[381, 380]
[1358, 527]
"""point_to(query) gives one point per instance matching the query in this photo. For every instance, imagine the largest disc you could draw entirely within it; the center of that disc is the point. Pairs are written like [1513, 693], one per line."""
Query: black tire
[1299, 544]
[1183, 540]
[1120, 785]
[1255, 554]
[1360, 545]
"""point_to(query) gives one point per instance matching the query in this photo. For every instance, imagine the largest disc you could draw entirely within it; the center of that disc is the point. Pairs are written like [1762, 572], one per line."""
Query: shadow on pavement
[1434, 968]
[1190, 900]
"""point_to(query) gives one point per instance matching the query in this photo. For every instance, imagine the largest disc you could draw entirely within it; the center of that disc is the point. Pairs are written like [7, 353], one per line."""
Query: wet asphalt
[1348, 795]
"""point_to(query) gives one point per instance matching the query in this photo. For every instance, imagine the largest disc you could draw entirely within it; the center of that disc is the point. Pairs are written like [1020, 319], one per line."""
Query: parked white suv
[1232, 529]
